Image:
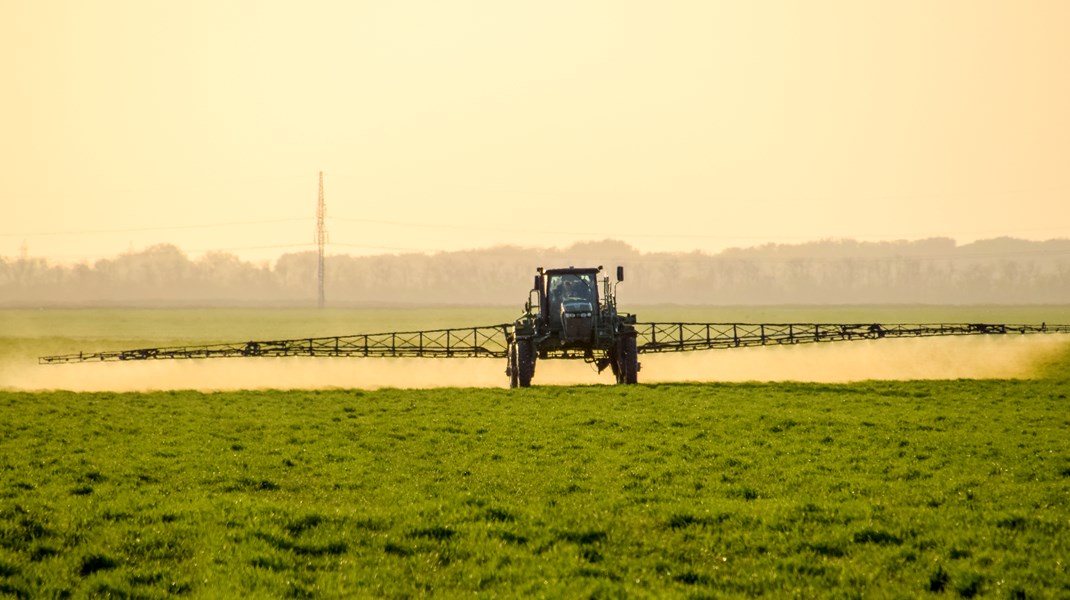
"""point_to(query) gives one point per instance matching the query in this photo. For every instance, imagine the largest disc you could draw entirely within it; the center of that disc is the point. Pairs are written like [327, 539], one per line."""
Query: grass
[875, 489]
[949, 488]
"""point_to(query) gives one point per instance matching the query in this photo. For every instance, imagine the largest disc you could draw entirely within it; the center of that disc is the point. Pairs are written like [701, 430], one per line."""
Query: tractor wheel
[514, 375]
[525, 362]
[629, 361]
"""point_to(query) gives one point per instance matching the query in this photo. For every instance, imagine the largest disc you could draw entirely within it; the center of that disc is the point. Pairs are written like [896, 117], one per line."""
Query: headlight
[572, 315]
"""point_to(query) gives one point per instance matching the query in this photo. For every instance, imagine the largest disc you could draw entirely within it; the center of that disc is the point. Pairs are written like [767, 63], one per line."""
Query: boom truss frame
[467, 342]
[491, 341]
[681, 337]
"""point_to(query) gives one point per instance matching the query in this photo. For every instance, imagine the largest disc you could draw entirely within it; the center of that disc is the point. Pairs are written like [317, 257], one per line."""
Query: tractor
[566, 317]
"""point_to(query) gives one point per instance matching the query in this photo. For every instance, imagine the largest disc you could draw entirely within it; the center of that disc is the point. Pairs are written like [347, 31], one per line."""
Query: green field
[956, 488]
[874, 489]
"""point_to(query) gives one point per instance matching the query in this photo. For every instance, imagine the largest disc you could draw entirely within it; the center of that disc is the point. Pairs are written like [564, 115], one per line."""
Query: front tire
[514, 375]
[525, 362]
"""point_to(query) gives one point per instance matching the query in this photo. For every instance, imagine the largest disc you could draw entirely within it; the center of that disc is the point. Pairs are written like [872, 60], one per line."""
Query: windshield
[572, 287]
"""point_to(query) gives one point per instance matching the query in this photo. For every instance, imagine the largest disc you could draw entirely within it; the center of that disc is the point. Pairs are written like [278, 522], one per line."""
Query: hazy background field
[841, 271]
[26, 334]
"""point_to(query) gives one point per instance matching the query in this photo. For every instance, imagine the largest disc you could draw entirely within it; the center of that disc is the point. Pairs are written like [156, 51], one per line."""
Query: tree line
[931, 271]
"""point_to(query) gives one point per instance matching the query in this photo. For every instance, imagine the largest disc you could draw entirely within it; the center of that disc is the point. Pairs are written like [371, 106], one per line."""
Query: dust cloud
[931, 358]
[942, 358]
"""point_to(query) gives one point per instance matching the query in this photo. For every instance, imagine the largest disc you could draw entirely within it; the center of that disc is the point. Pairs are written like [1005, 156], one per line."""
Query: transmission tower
[321, 238]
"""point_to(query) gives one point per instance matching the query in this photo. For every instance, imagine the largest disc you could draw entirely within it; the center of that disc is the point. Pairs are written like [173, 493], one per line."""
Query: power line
[269, 247]
[641, 235]
[391, 248]
[151, 228]
[112, 255]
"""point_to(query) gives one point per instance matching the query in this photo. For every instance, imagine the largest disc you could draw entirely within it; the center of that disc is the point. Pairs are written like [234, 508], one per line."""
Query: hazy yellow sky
[449, 125]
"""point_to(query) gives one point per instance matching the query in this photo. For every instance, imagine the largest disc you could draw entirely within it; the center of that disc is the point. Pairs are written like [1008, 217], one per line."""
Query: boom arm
[491, 341]
[482, 341]
[680, 337]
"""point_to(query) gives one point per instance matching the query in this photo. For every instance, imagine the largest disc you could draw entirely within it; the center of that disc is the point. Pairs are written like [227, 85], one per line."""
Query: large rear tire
[525, 362]
[514, 374]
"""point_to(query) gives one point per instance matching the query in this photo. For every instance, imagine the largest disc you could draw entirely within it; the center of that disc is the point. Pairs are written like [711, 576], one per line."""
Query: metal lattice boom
[679, 337]
[491, 341]
[473, 342]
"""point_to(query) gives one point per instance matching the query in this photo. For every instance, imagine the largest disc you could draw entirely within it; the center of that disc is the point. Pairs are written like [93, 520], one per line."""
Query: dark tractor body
[566, 317]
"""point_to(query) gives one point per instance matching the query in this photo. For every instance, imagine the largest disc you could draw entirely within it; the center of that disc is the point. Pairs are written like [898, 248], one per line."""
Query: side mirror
[620, 274]
[538, 283]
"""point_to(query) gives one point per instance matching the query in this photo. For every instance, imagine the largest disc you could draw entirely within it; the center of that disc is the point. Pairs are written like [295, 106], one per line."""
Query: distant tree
[831, 271]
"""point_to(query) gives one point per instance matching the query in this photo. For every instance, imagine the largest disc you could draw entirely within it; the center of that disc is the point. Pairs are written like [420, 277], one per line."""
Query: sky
[442, 126]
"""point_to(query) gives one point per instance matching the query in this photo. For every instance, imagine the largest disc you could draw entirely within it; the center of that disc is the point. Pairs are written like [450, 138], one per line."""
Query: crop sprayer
[571, 315]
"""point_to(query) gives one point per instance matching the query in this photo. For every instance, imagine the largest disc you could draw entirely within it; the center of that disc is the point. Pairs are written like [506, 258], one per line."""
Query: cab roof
[574, 271]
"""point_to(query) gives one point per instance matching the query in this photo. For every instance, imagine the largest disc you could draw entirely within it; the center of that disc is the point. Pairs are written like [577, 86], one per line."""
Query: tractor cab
[571, 303]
